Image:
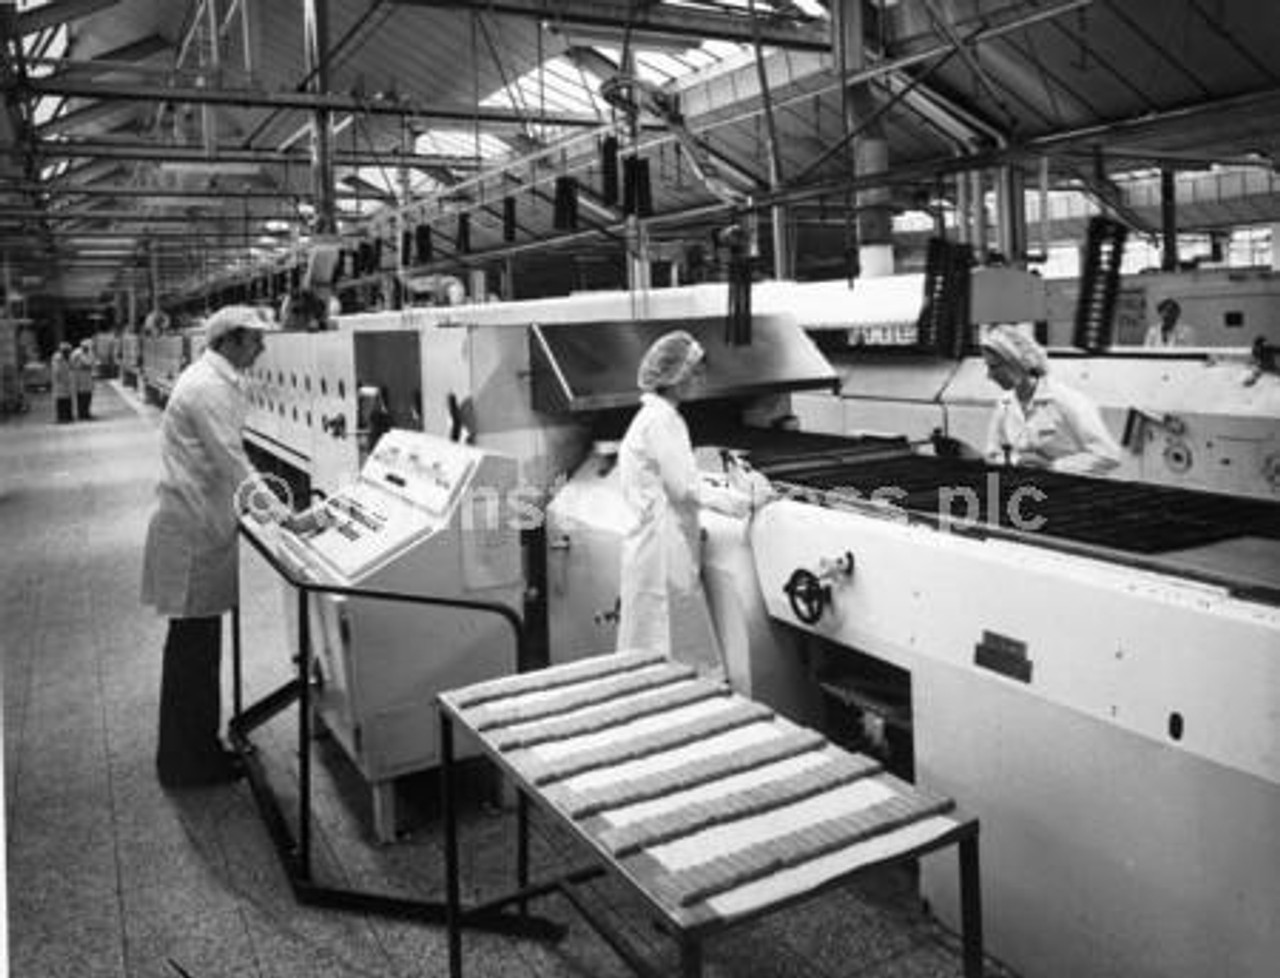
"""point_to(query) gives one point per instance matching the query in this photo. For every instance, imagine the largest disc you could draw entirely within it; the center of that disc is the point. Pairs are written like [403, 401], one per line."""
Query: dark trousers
[190, 751]
[82, 404]
[63, 407]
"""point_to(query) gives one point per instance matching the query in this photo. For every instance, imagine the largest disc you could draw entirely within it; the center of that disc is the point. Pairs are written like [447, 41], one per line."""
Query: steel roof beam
[73, 87]
[59, 189]
[683, 22]
[58, 12]
[100, 150]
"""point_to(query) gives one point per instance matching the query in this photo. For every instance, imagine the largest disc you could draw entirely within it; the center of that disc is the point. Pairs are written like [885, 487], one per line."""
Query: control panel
[408, 488]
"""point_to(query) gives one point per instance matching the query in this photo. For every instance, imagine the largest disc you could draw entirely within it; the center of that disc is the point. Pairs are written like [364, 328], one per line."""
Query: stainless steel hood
[591, 366]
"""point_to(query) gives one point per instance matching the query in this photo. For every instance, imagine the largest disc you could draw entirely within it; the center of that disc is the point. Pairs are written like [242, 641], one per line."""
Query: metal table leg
[452, 912]
[971, 904]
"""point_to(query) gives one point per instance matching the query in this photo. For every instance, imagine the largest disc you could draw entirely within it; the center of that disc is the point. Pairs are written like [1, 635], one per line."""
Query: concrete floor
[110, 876]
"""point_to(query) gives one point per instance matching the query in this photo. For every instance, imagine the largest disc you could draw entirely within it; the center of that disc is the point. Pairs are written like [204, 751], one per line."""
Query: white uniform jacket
[191, 565]
[663, 606]
[1182, 335]
[60, 379]
[1063, 430]
[82, 370]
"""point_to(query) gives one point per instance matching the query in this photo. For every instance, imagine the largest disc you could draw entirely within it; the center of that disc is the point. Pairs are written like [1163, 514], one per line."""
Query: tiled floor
[110, 876]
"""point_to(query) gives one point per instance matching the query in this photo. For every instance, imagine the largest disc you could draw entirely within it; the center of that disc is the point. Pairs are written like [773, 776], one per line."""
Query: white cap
[230, 318]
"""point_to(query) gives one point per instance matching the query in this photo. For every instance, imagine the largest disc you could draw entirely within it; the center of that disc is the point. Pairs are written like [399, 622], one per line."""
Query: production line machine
[1098, 688]
[426, 517]
[1089, 664]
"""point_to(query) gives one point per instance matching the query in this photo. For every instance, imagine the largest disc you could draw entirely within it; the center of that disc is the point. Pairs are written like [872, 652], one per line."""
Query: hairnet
[1014, 346]
[230, 318]
[668, 361]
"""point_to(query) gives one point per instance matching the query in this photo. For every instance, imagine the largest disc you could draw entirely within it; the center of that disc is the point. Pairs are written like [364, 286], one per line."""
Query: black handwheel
[809, 597]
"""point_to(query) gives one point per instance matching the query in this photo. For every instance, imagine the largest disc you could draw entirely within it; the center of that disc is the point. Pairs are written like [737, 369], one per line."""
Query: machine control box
[409, 487]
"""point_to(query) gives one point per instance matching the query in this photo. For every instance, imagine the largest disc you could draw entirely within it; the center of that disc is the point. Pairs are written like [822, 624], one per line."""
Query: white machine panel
[427, 517]
[1114, 728]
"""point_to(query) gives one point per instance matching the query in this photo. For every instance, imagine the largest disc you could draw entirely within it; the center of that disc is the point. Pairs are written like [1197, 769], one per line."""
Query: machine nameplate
[1004, 655]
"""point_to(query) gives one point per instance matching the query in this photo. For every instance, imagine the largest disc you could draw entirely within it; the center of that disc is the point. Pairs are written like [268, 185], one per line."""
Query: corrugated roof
[1101, 88]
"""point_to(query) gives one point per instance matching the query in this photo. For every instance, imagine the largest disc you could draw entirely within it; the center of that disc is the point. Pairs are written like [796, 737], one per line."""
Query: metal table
[707, 805]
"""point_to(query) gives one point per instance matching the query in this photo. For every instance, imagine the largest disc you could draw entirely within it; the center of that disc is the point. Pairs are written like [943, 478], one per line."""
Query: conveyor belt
[1136, 518]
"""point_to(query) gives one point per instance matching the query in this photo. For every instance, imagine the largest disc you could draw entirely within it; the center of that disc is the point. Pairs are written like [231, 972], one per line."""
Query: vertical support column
[964, 227]
[638, 256]
[978, 208]
[1044, 207]
[1275, 247]
[1011, 215]
[246, 37]
[208, 113]
[315, 45]
[1168, 222]
[871, 150]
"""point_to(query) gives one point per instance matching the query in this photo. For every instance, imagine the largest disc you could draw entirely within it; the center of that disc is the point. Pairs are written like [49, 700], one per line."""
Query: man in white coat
[62, 383]
[191, 563]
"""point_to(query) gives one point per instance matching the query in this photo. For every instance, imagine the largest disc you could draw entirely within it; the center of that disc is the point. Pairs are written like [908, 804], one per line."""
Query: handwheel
[809, 597]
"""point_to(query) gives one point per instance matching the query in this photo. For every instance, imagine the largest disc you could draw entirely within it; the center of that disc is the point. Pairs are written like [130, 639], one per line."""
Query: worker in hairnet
[663, 605]
[1039, 422]
[1168, 330]
[62, 383]
[191, 562]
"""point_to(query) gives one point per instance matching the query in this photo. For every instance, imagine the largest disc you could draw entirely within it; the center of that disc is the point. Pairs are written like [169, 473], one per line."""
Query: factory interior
[932, 699]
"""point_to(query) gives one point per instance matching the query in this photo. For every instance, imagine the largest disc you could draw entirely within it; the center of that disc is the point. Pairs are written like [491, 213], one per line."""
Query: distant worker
[83, 365]
[304, 311]
[1038, 422]
[1168, 331]
[663, 605]
[62, 383]
[191, 561]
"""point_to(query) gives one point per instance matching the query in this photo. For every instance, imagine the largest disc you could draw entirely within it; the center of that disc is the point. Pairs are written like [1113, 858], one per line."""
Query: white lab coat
[1182, 335]
[191, 562]
[663, 605]
[82, 370]
[1062, 430]
[60, 379]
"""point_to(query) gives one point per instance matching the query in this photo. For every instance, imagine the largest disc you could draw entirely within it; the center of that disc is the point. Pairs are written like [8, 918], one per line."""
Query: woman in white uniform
[663, 606]
[190, 570]
[1039, 422]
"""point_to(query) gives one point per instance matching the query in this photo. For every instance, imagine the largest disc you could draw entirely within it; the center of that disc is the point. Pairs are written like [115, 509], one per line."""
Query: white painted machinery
[586, 370]
[427, 517]
[320, 400]
[1089, 666]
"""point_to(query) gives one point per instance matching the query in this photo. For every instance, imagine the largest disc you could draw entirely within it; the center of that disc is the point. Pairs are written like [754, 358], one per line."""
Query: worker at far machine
[190, 565]
[62, 383]
[83, 365]
[663, 605]
[1168, 331]
[1039, 422]
[304, 311]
